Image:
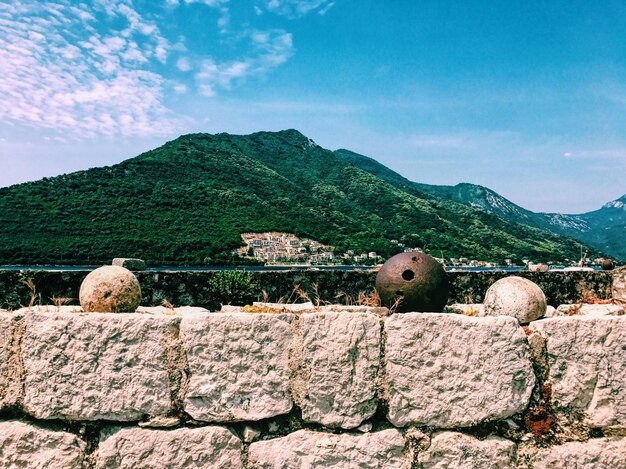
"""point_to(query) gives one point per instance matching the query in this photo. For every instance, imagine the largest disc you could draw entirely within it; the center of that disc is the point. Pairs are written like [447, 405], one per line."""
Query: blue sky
[527, 98]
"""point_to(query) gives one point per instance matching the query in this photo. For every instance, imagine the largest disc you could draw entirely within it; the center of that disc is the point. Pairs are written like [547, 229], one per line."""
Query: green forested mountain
[604, 229]
[188, 201]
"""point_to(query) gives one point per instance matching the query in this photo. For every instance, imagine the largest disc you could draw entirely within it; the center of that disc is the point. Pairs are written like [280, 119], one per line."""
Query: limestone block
[239, 365]
[589, 310]
[378, 310]
[9, 385]
[49, 309]
[619, 284]
[587, 366]
[285, 307]
[308, 449]
[179, 311]
[597, 453]
[135, 448]
[26, 445]
[449, 370]
[130, 263]
[340, 363]
[82, 366]
[451, 449]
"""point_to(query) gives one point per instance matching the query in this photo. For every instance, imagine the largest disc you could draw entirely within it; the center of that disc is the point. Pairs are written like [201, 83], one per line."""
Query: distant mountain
[605, 229]
[188, 201]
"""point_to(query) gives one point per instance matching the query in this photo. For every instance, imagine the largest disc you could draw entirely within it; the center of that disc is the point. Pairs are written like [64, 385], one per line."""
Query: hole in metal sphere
[408, 275]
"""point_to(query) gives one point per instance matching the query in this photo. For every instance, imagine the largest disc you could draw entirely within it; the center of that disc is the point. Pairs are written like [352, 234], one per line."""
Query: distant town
[286, 248]
[278, 248]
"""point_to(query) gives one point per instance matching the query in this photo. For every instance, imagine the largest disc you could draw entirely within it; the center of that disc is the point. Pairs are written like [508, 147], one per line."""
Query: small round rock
[517, 297]
[110, 289]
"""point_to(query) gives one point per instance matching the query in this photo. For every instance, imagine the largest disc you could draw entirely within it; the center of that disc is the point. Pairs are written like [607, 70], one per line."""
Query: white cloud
[183, 64]
[270, 49]
[96, 85]
[297, 8]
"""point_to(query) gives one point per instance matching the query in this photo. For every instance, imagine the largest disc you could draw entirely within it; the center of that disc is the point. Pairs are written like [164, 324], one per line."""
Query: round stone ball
[517, 297]
[110, 289]
[416, 279]
[607, 264]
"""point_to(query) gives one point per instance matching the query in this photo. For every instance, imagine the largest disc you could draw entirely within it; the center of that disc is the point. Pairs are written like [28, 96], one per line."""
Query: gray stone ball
[517, 297]
[110, 289]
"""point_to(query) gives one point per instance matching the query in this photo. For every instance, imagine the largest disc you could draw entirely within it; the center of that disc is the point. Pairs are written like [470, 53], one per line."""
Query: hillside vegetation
[188, 201]
[604, 229]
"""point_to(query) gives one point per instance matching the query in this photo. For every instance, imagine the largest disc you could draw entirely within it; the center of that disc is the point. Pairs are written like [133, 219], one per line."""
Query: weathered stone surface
[517, 297]
[110, 289]
[459, 451]
[340, 363]
[378, 310]
[49, 309]
[589, 310]
[9, 376]
[130, 263]
[285, 307]
[587, 366]
[179, 311]
[131, 448]
[449, 370]
[239, 365]
[308, 449]
[597, 453]
[25, 445]
[83, 366]
[619, 284]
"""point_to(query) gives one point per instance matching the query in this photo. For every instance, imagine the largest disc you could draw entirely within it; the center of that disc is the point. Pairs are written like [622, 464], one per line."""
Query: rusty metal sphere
[417, 279]
[607, 264]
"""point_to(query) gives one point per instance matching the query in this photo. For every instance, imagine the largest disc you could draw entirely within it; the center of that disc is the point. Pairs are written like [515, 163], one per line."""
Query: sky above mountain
[527, 98]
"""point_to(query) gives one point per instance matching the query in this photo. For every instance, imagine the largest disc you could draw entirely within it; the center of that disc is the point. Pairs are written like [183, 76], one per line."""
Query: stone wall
[336, 387]
[211, 289]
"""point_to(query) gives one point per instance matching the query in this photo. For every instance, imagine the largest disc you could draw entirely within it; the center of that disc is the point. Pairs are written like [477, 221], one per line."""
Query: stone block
[596, 453]
[91, 366]
[340, 360]
[449, 370]
[308, 449]
[587, 368]
[451, 449]
[129, 263]
[619, 284]
[238, 364]
[589, 310]
[26, 445]
[130, 448]
[10, 376]
[378, 310]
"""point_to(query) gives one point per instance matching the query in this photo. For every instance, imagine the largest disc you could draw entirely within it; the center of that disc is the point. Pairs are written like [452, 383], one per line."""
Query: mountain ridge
[604, 228]
[188, 201]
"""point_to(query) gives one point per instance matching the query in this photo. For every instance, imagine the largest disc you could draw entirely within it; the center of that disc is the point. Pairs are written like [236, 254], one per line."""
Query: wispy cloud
[297, 8]
[598, 154]
[269, 49]
[105, 68]
[59, 72]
